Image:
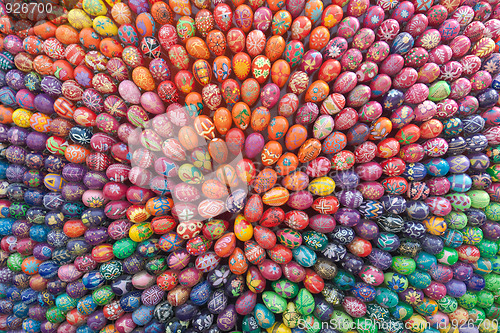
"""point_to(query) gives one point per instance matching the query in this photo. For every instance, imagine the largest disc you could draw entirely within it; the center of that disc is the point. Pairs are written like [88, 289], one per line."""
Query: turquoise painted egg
[264, 317]
[460, 182]
[420, 279]
[304, 256]
[437, 167]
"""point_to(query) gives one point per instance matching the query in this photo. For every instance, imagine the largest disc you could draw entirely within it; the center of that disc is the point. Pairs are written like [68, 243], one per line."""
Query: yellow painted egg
[21, 118]
[94, 7]
[322, 186]
[105, 26]
[243, 229]
[79, 19]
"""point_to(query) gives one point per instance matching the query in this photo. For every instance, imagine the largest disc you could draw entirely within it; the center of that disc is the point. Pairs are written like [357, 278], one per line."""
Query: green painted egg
[291, 318]
[487, 248]
[472, 235]
[456, 220]
[111, 270]
[495, 264]
[190, 174]
[249, 324]
[103, 295]
[315, 240]
[439, 91]
[310, 323]
[285, 288]
[396, 282]
[402, 311]
[344, 280]
[459, 201]
[343, 320]
[304, 256]
[483, 266]
[124, 248]
[447, 304]
[365, 325]
[485, 299]
[55, 315]
[321, 186]
[264, 317]
[403, 265]
[305, 302]
[479, 198]
[447, 256]
[492, 211]
[468, 301]
[15, 261]
[425, 261]
[386, 298]
[494, 172]
[65, 303]
[420, 279]
[493, 311]
[492, 282]
[274, 302]
[477, 315]
[377, 313]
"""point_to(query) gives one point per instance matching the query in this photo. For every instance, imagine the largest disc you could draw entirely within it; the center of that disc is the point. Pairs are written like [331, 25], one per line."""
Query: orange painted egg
[162, 13]
[111, 48]
[295, 137]
[271, 153]
[216, 42]
[202, 72]
[237, 262]
[250, 91]
[278, 127]
[40, 122]
[296, 181]
[380, 129]
[218, 150]
[301, 27]
[188, 138]
[145, 25]
[287, 163]
[90, 39]
[241, 65]
[197, 48]
[221, 68]
[222, 120]
[67, 34]
[214, 189]
[76, 153]
[309, 150]
[181, 7]
[204, 22]
[236, 40]
[6, 114]
[179, 57]
[42, 64]
[261, 68]
[329, 70]
[255, 254]
[275, 5]
[265, 180]
[317, 91]
[121, 13]
[388, 148]
[243, 17]
[260, 119]
[62, 70]
[204, 127]
[275, 47]
[332, 15]
[241, 115]
[280, 72]
[64, 107]
[255, 43]
[319, 37]
[431, 129]
[225, 245]
[282, 21]
[227, 175]
[275, 197]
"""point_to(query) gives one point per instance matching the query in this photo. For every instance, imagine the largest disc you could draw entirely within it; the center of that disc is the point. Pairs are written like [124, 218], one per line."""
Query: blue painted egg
[304, 256]
[417, 210]
[392, 100]
[86, 305]
[458, 164]
[476, 143]
[200, 293]
[93, 280]
[48, 269]
[452, 238]
[236, 201]
[460, 182]
[371, 209]
[364, 292]
[143, 315]
[437, 167]
[81, 135]
[131, 301]
[487, 98]
[456, 145]
[473, 124]
[393, 204]
[402, 43]
[415, 171]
